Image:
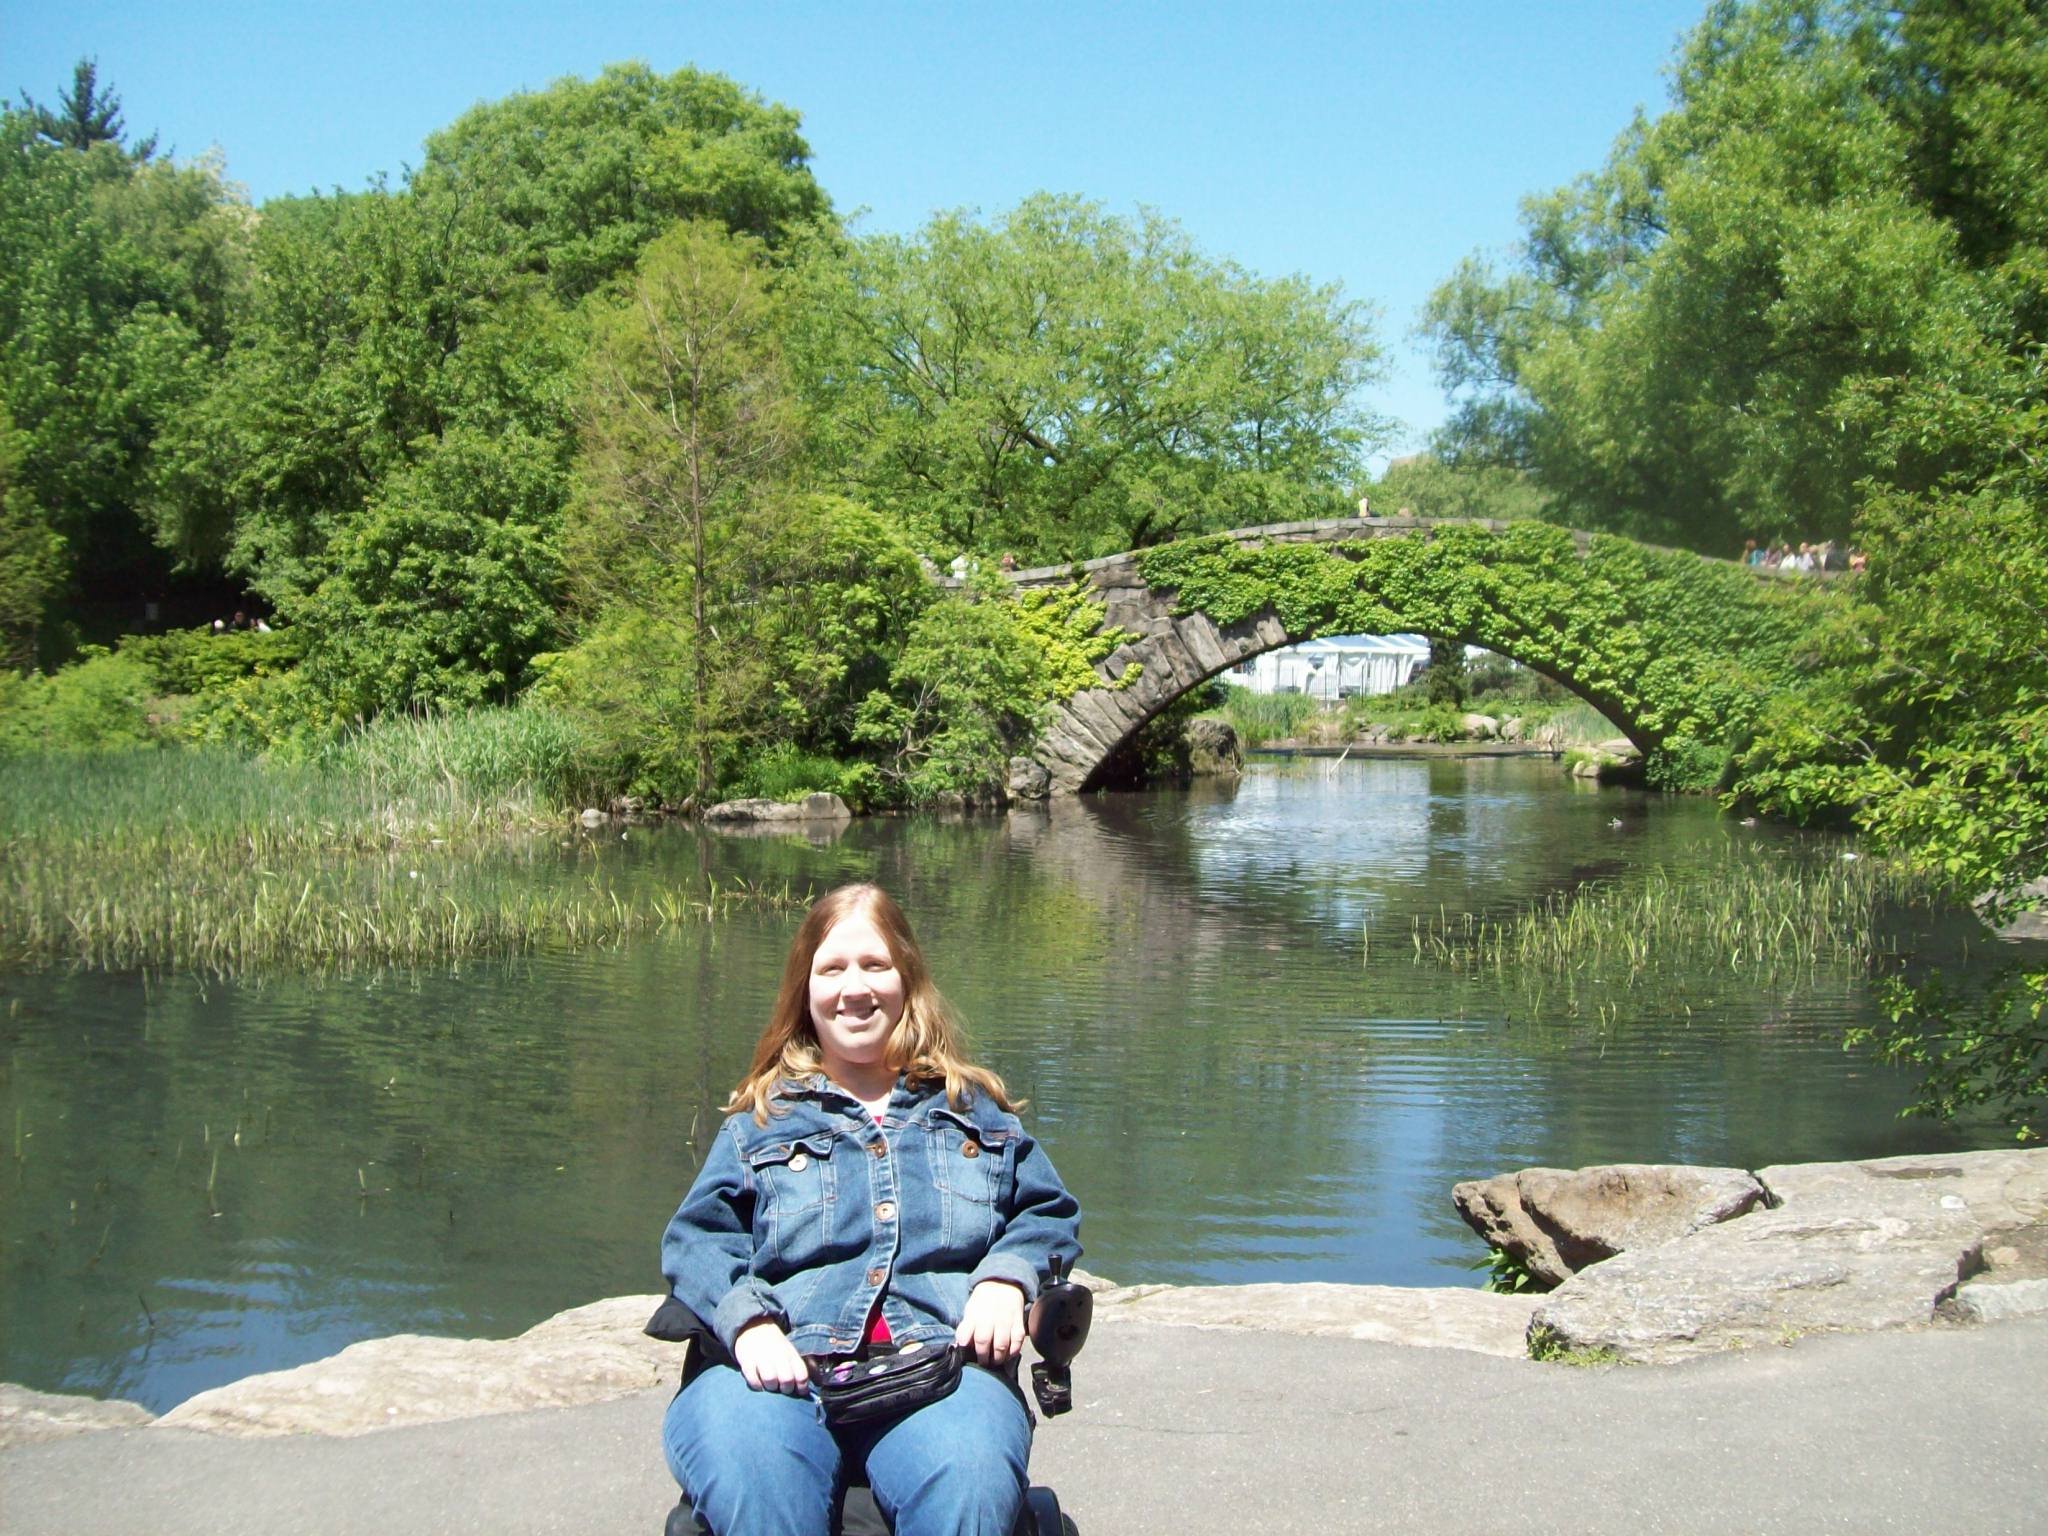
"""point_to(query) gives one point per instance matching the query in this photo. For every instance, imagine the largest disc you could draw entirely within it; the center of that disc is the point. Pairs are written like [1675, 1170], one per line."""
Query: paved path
[1194, 1430]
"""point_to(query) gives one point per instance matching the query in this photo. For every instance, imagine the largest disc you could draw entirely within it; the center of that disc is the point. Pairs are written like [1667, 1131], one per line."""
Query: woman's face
[856, 994]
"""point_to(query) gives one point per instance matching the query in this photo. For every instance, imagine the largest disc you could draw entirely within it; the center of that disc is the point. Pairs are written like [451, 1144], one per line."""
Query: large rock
[1213, 749]
[1435, 1317]
[1479, 727]
[584, 1355]
[2029, 925]
[1849, 1246]
[819, 807]
[27, 1415]
[1029, 779]
[1556, 1221]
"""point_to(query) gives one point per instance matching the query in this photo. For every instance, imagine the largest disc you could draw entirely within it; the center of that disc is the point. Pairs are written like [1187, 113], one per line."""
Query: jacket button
[879, 1149]
[886, 1211]
[877, 1275]
[970, 1149]
[799, 1163]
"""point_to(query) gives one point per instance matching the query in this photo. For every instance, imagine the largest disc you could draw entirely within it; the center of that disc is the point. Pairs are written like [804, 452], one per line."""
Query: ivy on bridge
[1680, 651]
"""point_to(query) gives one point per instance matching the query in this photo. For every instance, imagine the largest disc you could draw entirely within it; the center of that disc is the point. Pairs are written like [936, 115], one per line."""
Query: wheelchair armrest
[675, 1323]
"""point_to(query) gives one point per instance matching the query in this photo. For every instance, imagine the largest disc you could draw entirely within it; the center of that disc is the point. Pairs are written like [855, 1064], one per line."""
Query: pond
[1211, 999]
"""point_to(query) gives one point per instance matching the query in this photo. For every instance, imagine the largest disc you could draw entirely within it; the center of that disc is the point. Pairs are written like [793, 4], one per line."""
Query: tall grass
[391, 848]
[514, 757]
[1262, 717]
[1754, 912]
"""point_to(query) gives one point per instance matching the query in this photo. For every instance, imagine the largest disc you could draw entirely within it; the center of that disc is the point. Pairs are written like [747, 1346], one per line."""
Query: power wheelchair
[1057, 1326]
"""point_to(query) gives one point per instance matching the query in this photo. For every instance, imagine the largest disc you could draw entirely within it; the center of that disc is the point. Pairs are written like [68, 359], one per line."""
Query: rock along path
[1204, 1429]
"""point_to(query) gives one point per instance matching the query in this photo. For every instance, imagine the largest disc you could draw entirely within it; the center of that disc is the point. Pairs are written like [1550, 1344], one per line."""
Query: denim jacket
[807, 1219]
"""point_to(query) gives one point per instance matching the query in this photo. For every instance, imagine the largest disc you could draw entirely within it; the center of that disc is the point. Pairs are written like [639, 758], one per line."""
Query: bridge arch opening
[1334, 691]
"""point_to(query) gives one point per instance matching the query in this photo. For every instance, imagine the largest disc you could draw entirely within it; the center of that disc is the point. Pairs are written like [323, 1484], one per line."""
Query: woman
[870, 1190]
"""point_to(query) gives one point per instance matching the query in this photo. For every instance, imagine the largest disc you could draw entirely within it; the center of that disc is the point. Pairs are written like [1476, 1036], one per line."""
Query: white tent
[1340, 667]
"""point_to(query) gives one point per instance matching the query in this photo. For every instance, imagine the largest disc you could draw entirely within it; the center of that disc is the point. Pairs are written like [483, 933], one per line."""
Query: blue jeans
[764, 1464]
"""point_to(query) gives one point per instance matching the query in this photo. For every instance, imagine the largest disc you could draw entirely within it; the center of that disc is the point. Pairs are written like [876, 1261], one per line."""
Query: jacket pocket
[968, 1167]
[793, 1189]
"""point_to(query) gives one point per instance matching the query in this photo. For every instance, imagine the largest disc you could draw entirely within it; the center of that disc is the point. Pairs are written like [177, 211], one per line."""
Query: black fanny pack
[885, 1385]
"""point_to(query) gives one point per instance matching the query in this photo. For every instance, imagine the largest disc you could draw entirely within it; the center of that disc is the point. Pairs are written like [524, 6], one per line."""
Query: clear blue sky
[1372, 144]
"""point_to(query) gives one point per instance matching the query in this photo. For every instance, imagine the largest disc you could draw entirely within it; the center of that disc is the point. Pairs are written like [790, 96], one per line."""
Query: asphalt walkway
[1196, 1430]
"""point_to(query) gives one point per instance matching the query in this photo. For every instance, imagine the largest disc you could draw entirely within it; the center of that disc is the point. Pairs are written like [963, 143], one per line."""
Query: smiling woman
[828, 1225]
[856, 1002]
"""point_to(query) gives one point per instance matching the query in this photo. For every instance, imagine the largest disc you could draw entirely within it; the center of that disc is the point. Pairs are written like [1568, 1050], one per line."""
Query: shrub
[969, 689]
[1440, 722]
[98, 704]
[786, 772]
[199, 661]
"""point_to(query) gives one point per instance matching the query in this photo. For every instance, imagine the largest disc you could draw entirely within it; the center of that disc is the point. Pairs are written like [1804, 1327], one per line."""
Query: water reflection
[213, 1180]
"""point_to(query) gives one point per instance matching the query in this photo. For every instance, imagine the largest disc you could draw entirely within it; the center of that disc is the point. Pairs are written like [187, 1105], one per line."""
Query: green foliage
[199, 661]
[1976, 1045]
[98, 704]
[118, 277]
[1424, 485]
[969, 689]
[31, 556]
[1682, 342]
[627, 683]
[1547, 1345]
[1930, 725]
[1439, 722]
[1681, 652]
[788, 773]
[1444, 682]
[443, 589]
[587, 172]
[85, 115]
[1262, 717]
[688, 436]
[1062, 383]
[1066, 625]
[1506, 1275]
[1809, 300]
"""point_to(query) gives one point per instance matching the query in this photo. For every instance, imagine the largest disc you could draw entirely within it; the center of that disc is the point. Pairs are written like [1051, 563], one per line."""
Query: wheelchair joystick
[1058, 1327]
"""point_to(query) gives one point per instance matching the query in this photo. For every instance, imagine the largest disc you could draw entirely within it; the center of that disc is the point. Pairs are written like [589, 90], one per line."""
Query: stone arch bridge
[1680, 651]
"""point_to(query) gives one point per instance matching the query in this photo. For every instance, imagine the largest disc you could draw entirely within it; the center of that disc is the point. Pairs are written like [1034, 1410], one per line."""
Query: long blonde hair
[925, 1046]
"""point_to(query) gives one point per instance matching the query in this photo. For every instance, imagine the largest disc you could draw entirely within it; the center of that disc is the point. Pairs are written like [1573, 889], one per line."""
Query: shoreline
[1943, 1241]
[1292, 748]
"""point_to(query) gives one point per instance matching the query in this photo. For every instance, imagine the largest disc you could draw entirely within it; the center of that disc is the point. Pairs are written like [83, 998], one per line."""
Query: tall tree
[1674, 348]
[583, 174]
[687, 427]
[1062, 383]
[85, 114]
[118, 283]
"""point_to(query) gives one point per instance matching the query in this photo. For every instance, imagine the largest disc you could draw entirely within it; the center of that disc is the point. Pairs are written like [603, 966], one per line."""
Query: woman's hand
[769, 1361]
[993, 1325]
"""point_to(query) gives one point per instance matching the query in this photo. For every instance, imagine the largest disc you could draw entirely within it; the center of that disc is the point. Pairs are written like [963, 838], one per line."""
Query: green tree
[31, 558]
[1061, 382]
[85, 114]
[1812, 298]
[583, 174]
[969, 689]
[1674, 348]
[389, 333]
[688, 428]
[444, 587]
[118, 280]
[1423, 485]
